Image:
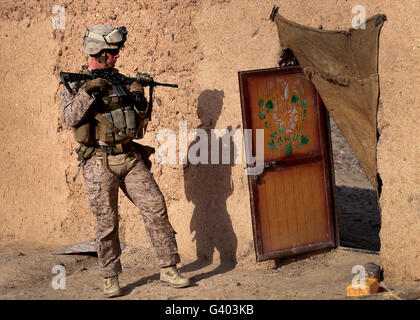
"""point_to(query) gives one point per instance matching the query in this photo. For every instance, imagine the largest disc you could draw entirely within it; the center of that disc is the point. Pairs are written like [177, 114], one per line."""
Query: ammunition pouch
[126, 120]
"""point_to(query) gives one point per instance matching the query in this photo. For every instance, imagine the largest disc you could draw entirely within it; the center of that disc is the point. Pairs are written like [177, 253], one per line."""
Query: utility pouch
[82, 132]
[118, 119]
[130, 118]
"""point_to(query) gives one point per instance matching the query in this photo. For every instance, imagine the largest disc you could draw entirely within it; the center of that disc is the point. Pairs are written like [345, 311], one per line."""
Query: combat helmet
[101, 36]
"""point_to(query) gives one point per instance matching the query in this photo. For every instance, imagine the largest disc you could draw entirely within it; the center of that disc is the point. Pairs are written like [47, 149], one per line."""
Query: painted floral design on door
[283, 110]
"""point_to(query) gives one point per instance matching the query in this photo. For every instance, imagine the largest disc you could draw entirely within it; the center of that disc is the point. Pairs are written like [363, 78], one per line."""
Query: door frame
[328, 166]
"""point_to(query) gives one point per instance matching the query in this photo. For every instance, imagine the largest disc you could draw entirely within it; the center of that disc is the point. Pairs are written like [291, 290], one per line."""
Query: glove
[96, 85]
[137, 92]
[137, 87]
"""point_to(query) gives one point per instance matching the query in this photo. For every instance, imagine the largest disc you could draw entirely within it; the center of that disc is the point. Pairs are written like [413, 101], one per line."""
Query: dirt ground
[27, 274]
[26, 269]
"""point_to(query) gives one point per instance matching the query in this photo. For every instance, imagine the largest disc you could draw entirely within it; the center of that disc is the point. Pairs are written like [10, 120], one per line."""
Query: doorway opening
[359, 218]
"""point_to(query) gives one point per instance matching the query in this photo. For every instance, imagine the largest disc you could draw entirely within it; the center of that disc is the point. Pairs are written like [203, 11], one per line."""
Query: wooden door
[292, 201]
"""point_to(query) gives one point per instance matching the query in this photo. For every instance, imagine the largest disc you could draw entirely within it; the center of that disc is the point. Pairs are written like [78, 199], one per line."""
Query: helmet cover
[101, 37]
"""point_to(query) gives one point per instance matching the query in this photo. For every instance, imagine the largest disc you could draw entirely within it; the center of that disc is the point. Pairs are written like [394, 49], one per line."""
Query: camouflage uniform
[128, 171]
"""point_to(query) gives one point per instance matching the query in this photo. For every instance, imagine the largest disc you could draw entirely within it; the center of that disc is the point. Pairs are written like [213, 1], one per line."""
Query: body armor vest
[120, 112]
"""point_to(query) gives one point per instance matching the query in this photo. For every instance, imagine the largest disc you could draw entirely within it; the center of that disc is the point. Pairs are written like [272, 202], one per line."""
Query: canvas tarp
[343, 66]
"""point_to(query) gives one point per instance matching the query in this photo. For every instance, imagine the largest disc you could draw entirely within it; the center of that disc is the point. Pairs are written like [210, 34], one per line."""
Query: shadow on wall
[359, 218]
[208, 186]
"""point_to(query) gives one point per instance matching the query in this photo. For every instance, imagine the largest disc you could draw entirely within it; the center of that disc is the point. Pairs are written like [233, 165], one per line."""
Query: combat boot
[171, 276]
[112, 287]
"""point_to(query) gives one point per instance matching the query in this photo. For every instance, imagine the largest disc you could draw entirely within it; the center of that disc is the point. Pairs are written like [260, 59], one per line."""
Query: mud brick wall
[201, 45]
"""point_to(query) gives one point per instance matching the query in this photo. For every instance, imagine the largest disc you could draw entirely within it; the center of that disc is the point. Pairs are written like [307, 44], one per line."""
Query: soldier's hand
[137, 87]
[96, 85]
[137, 92]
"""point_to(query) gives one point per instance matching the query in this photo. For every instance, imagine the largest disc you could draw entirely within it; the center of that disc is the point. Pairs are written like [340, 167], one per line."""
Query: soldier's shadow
[208, 186]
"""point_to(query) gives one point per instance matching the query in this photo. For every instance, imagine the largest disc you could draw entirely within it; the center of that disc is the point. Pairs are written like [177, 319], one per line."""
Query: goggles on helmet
[112, 38]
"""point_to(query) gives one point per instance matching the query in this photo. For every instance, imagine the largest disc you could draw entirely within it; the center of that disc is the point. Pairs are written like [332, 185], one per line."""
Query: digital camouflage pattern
[128, 172]
[140, 187]
[75, 107]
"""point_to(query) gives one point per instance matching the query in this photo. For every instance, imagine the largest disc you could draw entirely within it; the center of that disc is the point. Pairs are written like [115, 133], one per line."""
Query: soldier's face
[112, 57]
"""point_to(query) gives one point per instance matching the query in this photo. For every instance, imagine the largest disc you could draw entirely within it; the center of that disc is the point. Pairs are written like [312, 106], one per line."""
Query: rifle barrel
[166, 84]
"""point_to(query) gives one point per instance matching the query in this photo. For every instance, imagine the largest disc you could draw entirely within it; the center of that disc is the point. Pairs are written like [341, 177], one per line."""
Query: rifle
[118, 81]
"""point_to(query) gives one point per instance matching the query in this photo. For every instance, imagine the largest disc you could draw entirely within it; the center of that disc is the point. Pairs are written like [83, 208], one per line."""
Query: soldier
[105, 124]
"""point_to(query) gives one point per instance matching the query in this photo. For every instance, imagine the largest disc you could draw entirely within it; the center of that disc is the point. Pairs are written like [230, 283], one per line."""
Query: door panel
[292, 201]
[284, 108]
